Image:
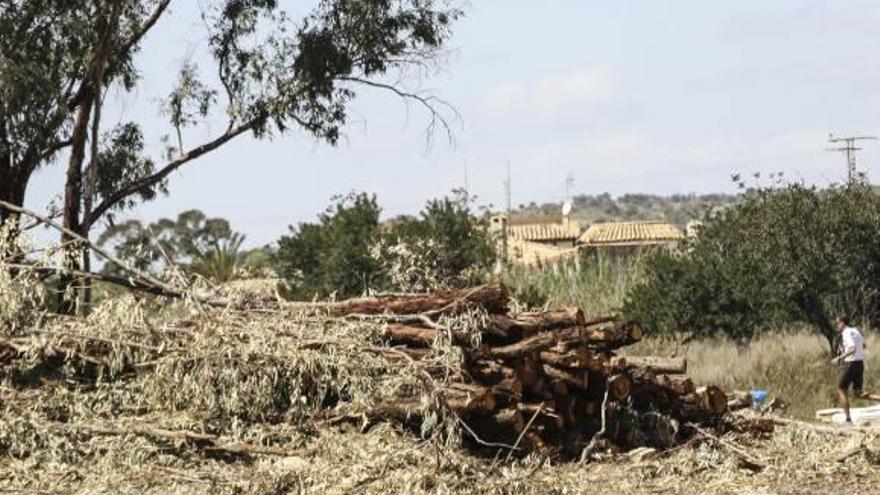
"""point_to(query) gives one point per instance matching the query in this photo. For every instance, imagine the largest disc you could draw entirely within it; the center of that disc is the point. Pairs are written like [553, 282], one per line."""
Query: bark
[607, 338]
[739, 399]
[530, 345]
[584, 358]
[413, 336]
[90, 192]
[491, 297]
[12, 189]
[476, 400]
[676, 384]
[619, 386]
[577, 379]
[72, 202]
[658, 364]
[709, 399]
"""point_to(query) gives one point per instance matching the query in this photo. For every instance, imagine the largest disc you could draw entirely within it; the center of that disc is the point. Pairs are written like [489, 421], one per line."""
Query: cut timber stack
[544, 381]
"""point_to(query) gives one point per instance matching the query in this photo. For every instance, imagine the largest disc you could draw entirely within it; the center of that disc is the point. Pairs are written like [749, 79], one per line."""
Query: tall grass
[790, 364]
[595, 282]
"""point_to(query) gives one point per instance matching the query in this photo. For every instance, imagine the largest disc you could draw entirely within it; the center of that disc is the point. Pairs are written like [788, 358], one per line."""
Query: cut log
[658, 364]
[412, 336]
[676, 384]
[577, 379]
[526, 325]
[533, 344]
[739, 399]
[493, 298]
[555, 318]
[710, 400]
[606, 338]
[619, 386]
[510, 418]
[583, 358]
[681, 385]
[462, 399]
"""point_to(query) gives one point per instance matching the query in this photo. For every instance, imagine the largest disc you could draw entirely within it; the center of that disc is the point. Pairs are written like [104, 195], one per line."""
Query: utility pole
[847, 146]
[569, 185]
[467, 191]
[507, 188]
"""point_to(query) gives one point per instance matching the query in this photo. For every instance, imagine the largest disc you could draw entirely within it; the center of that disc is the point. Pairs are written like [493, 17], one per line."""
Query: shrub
[333, 255]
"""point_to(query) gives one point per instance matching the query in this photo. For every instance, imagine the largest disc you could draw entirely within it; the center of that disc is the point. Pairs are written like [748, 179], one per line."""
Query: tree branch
[145, 279]
[430, 103]
[124, 49]
[54, 148]
[148, 24]
[157, 177]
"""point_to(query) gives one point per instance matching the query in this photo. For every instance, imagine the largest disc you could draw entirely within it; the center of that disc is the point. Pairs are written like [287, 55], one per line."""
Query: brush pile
[546, 381]
[152, 393]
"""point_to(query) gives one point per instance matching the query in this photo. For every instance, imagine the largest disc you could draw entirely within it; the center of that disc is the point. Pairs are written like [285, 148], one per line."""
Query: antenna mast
[848, 146]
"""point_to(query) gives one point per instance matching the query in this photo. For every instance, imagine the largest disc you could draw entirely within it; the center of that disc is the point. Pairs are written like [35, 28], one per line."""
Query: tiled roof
[631, 233]
[534, 253]
[544, 232]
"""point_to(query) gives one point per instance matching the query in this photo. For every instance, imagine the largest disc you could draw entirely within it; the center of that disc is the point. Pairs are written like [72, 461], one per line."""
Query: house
[632, 235]
[534, 244]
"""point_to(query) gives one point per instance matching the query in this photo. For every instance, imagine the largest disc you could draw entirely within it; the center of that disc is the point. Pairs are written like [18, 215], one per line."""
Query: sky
[627, 96]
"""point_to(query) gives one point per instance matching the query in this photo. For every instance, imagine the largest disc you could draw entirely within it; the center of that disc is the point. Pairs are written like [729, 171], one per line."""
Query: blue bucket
[758, 397]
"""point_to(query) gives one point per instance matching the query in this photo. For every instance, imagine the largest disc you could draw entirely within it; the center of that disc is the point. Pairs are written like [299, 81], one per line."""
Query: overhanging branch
[151, 180]
[428, 102]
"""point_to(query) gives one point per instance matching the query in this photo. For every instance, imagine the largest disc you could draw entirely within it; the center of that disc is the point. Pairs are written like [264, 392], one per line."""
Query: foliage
[348, 252]
[782, 255]
[270, 75]
[205, 246]
[332, 256]
[446, 246]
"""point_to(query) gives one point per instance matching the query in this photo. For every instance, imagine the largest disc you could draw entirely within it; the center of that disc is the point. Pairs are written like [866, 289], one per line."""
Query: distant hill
[586, 209]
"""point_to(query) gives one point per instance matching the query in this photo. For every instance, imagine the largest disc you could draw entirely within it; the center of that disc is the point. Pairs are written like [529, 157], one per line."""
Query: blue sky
[626, 96]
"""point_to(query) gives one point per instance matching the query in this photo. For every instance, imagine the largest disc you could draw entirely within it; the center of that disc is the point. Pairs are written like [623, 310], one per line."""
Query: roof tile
[631, 233]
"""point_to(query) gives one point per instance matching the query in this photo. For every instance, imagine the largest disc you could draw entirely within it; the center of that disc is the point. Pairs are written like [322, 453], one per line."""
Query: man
[852, 361]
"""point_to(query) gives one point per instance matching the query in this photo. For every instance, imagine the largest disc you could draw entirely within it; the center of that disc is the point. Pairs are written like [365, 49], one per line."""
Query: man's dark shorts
[851, 373]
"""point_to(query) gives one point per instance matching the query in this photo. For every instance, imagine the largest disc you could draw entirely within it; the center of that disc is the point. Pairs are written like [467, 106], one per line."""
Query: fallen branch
[204, 441]
[145, 278]
[747, 460]
[832, 430]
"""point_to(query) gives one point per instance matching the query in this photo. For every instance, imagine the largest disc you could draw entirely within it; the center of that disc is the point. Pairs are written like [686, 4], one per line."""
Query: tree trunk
[12, 189]
[72, 201]
[90, 192]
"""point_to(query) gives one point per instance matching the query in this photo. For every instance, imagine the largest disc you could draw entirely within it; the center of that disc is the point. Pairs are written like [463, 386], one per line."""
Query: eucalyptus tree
[269, 74]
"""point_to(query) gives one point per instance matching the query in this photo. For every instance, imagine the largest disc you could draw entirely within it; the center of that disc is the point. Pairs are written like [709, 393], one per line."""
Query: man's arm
[849, 348]
[847, 352]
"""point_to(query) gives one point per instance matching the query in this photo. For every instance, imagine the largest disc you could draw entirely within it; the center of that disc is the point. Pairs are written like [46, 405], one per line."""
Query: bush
[781, 256]
[333, 255]
[447, 246]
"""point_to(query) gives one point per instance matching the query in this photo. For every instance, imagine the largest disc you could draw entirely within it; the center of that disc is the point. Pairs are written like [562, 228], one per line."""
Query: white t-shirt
[852, 339]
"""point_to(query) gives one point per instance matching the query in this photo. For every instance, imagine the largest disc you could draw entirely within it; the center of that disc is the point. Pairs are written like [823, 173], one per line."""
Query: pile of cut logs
[547, 381]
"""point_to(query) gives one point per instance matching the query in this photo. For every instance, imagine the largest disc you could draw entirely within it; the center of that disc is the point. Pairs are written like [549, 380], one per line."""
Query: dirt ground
[384, 460]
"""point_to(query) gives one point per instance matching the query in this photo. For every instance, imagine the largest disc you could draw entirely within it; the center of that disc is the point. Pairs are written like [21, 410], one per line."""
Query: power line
[849, 148]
